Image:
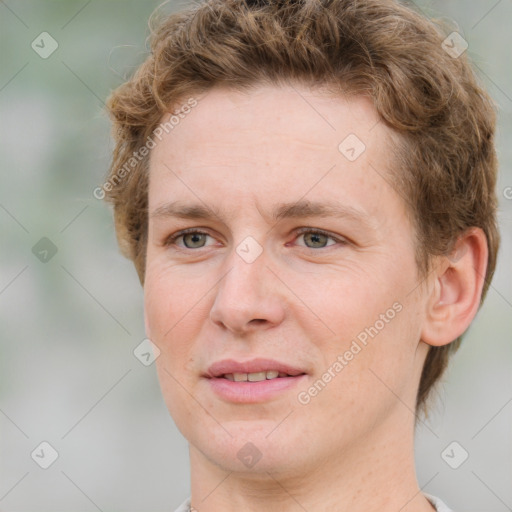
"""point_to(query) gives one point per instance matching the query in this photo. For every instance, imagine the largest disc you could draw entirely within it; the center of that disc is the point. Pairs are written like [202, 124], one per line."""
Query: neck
[376, 473]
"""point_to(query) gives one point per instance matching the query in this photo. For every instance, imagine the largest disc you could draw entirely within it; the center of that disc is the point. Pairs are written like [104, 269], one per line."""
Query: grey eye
[316, 239]
[195, 240]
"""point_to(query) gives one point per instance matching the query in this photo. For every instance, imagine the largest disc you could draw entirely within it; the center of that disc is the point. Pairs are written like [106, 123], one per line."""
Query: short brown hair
[443, 120]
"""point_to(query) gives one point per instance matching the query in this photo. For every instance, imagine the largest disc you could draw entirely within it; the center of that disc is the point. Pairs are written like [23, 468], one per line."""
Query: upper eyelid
[336, 238]
[183, 232]
[299, 231]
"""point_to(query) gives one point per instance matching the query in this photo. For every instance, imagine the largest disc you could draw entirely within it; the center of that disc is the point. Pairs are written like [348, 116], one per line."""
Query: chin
[255, 448]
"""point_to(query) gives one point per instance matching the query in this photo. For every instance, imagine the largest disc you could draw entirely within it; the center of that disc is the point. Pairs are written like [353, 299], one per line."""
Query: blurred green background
[69, 325]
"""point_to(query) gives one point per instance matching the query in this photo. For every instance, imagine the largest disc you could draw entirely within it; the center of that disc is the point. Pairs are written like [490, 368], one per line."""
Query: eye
[318, 238]
[192, 239]
[195, 239]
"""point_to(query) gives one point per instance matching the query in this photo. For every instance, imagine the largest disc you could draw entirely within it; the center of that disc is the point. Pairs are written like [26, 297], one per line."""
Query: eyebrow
[297, 210]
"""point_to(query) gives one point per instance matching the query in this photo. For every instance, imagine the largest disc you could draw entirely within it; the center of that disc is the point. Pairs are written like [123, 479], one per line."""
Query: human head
[442, 121]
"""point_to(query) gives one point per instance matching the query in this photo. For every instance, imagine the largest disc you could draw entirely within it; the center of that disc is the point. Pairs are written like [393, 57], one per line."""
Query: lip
[252, 392]
[253, 366]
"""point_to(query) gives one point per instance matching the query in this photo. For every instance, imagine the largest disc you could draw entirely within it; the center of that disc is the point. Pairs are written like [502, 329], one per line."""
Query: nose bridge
[247, 291]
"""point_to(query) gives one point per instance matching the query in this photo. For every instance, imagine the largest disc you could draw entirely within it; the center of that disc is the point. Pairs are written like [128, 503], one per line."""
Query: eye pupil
[315, 237]
[312, 239]
[195, 238]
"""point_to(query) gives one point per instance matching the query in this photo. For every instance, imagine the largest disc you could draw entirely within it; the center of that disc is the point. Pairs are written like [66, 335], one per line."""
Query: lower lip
[253, 392]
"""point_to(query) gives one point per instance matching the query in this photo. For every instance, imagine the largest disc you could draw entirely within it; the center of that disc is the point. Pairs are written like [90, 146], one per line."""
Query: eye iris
[195, 238]
[314, 237]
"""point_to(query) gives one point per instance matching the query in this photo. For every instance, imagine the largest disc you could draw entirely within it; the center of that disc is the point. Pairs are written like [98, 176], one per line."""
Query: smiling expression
[293, 249]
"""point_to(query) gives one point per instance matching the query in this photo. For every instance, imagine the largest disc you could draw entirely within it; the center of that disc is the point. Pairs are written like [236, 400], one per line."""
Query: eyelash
[172, 239]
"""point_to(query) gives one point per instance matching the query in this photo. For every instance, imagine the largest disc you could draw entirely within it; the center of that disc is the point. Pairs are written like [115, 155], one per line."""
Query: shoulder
[437, 503]
[184, 507]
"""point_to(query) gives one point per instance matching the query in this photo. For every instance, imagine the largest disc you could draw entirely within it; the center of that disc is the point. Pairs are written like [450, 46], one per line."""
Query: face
[290, 310]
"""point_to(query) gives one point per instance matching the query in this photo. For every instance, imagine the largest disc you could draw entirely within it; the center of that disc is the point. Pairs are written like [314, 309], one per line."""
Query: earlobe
[455, 295]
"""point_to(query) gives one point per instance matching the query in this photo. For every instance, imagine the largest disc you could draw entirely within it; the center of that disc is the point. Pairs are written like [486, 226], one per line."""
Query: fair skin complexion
[302, 301]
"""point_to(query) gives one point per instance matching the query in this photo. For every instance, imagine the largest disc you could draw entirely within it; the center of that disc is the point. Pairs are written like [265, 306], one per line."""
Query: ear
[458, 283]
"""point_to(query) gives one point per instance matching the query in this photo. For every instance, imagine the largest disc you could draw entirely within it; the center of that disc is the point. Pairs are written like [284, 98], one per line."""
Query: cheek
[170, 324]
[348, 301]
[184, 410]
[168, 299]
[377, 325]
[374, 379]
[171, 311]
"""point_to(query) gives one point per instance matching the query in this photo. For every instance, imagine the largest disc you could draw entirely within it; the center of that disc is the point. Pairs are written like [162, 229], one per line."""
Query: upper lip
[227, 366]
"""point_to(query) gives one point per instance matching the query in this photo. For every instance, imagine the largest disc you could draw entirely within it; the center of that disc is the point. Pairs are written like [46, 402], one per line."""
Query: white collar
[436, 502]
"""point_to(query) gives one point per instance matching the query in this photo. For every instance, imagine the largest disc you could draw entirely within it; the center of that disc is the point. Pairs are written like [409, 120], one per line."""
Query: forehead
[293, 113]
[290, 141]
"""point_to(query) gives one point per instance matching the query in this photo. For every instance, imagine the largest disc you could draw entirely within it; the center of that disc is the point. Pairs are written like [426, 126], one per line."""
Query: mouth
[254, 381]
[256, 376]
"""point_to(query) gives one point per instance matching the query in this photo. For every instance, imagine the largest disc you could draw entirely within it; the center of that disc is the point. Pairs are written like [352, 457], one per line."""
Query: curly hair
[442, 120]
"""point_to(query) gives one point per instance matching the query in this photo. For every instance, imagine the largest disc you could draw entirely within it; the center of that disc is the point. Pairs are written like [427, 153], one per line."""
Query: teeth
[254, 377]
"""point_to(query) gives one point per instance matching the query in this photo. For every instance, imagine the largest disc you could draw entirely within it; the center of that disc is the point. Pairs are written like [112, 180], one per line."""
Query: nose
[249, 296]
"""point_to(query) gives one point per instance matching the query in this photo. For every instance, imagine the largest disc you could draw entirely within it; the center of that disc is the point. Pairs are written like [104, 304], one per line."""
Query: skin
[302, 301]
